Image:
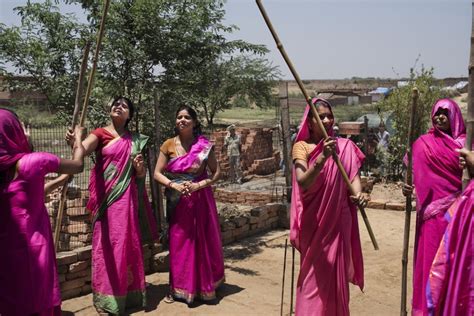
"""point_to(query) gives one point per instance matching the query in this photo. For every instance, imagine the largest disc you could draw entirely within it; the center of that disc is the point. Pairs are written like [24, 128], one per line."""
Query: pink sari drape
[435, 162]
[29, 283]
[28, 276]
[450, 287]
[196, 256]
[324, 229]
[118, 277]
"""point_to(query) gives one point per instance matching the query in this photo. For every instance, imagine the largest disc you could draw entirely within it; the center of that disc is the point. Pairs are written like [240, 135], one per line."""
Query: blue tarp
[381, 90]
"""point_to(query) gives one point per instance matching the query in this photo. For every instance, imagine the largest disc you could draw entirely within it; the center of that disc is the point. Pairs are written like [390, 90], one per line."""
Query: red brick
[66, 258]
[395, 206]
[72, 284]
[378, 204]
[78, 266]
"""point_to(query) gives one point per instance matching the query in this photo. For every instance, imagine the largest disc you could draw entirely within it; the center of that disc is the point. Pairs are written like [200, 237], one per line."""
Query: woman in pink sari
[116, 185]
[324, 227]
[196, 257]
[450, 286]
[435, 161]
[28, 279]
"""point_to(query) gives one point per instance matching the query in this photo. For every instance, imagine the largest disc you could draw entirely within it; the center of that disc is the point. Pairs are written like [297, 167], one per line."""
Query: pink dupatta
[450, 286]
[13, 141]
[324, 229]
[435, 161]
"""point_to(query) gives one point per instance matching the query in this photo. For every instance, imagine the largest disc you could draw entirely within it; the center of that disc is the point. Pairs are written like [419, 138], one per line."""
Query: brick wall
[244, 197]
[258, 155]
[76, 225]
[74, 267]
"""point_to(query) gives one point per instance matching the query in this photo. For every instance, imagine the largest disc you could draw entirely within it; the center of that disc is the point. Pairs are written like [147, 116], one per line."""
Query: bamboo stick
[75, 115]
[318, 120]
[470, 104]
[292, 278]
[83, 116]
[100, 35]
[408, 207]
[283, 281]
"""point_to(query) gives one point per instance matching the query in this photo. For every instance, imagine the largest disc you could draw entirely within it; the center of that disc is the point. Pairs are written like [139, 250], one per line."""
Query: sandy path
[254, 272]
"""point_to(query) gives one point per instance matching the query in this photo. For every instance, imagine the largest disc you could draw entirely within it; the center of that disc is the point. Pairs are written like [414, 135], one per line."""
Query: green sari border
[118, 304]
[189, 297]
[139, 142]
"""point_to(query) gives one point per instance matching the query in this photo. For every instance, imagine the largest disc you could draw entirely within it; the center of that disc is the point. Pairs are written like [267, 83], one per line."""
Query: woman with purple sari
[28, 275]
[435, 161]
[116, 193]
[450, 289]
[324, 226]
[196, 257]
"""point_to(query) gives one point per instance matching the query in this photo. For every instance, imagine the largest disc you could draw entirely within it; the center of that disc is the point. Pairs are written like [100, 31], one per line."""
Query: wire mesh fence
[76, 227]
[261, 157]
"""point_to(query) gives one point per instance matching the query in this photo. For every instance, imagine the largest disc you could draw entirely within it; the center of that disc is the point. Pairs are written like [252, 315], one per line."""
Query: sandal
[168, 299]
[101, 312]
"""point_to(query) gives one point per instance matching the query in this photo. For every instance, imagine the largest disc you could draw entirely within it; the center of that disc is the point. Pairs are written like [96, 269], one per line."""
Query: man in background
[234, 148]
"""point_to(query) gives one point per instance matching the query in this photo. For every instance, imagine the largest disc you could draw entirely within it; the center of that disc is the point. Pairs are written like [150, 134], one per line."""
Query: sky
[350, 38]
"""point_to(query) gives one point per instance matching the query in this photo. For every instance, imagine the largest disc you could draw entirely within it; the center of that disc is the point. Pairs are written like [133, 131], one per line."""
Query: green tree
[242, 77]
[174, 48]
[47, 47]
[399, 102]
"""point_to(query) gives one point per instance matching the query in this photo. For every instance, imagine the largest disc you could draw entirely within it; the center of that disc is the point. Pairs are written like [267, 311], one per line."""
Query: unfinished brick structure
[76, 225]
[257, 157]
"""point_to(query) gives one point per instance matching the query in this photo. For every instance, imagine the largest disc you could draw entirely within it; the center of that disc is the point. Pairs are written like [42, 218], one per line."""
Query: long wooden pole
[80, 83]
[285, 127]
[100, 35]
[408, 207]
[90, 83]
[157, 114]
[283, 281]
[292, 278]
[75, 115]
[470, 103]
[318, 120]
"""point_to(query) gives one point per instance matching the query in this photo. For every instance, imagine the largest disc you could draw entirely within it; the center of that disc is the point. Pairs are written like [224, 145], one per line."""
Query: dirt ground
[389, 191]
[254, 276]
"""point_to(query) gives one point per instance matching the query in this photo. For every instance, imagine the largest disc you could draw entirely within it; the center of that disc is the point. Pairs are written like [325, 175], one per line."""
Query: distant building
[380, 93]
[344, 97]
[10, 97]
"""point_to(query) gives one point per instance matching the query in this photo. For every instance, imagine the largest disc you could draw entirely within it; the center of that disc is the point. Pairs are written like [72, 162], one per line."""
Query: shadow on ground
[242, 271]
[157, 293]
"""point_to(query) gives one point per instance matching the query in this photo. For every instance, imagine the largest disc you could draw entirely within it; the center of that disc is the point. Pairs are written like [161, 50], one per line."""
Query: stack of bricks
[266, 165]
[74, 272]
[257, 157]
[259, 219]
[76, 228]
[251, 198]
[217, 138]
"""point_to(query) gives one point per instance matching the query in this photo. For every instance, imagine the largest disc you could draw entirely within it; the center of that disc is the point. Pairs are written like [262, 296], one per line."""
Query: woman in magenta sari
[324, 227]
[28, 279]
[450, 289]
[435, 161]
[116, 186]
[196, 257]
